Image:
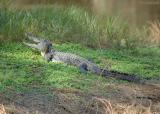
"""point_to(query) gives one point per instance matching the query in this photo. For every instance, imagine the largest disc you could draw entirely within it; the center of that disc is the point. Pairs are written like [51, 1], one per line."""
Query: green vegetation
[21, 67]
[70, 24]
[70, 29]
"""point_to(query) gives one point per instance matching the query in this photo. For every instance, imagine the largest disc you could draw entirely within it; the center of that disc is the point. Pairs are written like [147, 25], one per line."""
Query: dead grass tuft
[154, 31]
[99, 106]
[103, 106]
[2, 109]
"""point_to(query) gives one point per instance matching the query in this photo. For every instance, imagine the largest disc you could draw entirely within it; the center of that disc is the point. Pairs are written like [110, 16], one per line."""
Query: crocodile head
[44, 46]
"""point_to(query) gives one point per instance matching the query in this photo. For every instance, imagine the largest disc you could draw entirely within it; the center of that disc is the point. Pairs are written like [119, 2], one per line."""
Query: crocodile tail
[121, 76]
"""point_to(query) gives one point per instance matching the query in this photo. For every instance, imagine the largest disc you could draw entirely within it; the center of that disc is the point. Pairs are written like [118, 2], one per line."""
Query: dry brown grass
[96, 105]
[132, 109]
[99, 106]
[104, 106]
[154, 30]
[2, 109]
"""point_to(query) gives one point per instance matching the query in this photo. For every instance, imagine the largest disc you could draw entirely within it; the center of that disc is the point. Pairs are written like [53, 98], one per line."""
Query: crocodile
[51, 55]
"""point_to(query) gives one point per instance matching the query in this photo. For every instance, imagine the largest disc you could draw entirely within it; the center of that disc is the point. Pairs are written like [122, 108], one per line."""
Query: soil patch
[115, 99]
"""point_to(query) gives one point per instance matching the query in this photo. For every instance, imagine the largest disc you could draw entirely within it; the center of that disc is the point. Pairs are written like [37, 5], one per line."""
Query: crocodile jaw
[42, 53]
[56, 61]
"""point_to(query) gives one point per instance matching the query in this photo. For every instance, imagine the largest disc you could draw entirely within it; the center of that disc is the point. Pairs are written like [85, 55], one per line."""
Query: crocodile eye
[50, 44]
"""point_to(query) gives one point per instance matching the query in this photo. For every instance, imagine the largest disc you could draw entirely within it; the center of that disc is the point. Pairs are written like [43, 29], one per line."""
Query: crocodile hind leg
[83, 68]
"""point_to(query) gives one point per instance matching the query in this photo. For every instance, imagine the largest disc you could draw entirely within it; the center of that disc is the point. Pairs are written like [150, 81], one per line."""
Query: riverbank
[26, 79]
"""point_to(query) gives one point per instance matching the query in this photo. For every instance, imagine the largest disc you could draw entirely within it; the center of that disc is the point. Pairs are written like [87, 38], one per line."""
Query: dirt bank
[115, 99]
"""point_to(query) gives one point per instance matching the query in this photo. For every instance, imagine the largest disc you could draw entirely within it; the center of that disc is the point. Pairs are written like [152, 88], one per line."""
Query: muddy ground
[116, 99]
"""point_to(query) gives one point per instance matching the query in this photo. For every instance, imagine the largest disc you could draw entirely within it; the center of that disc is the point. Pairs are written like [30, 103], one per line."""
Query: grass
[71, 29]
[22, 67]
[72, 24]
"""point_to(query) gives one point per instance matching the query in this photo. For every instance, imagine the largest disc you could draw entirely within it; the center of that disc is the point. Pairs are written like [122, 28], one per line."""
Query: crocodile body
[75, 60]
[87, 65]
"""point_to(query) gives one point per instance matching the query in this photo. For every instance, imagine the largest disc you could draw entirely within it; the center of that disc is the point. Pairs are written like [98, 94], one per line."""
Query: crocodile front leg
[83, 68]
